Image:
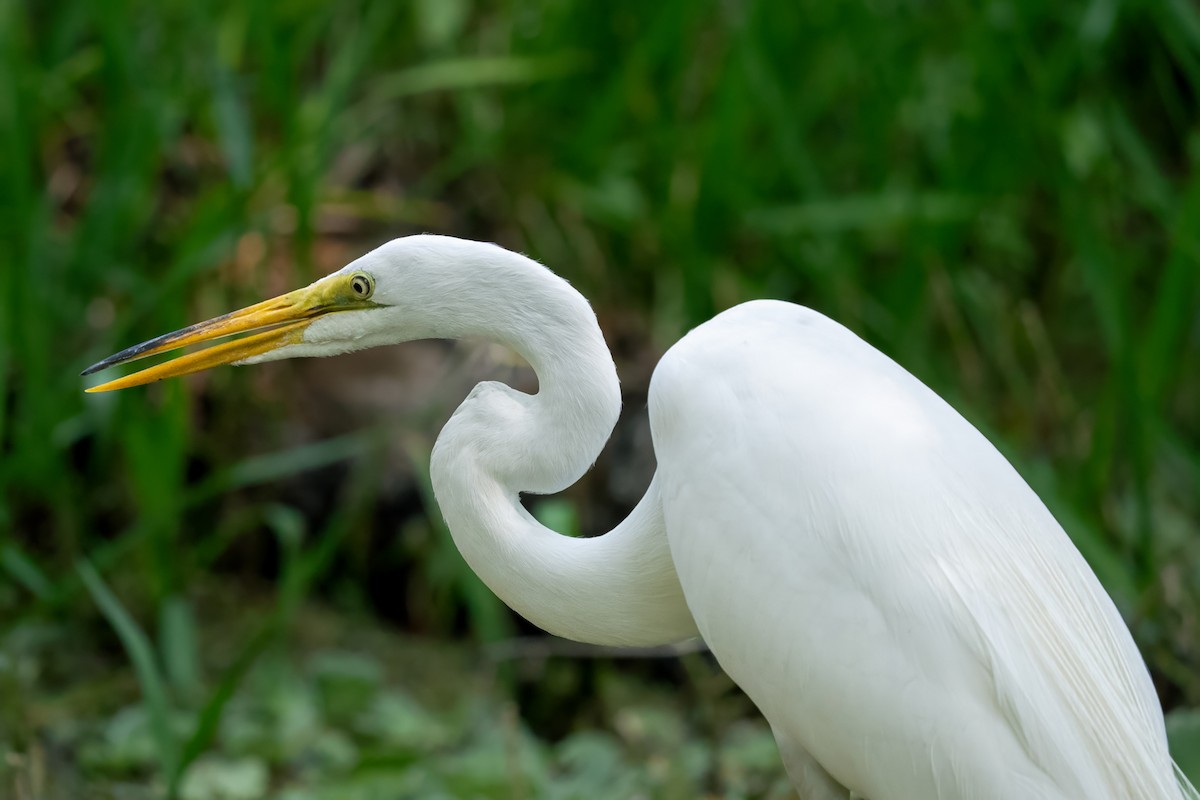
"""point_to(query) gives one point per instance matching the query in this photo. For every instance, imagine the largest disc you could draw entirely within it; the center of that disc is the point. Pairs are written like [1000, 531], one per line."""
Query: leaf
[141, 653]
[472, 73]
[214, 778]
[283, 464]
[180, 650]
[25, 571]
[346, 682]
[207, 723]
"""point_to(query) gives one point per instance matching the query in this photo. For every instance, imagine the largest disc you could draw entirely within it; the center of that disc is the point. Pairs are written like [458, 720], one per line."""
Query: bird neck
[615, 589]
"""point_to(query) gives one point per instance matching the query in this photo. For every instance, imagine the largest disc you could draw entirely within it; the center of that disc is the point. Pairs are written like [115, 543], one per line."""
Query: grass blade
[141, 654]
[27, 573]
[472, 73]
[209, 719]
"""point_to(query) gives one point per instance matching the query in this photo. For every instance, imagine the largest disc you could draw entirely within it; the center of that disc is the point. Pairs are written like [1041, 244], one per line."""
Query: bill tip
[99, 365]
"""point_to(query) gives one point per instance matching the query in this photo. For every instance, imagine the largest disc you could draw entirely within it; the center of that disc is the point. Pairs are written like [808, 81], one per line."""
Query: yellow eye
[362, 284]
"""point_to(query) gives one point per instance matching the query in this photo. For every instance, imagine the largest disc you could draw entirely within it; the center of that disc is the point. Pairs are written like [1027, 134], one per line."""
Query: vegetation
[1003, 196]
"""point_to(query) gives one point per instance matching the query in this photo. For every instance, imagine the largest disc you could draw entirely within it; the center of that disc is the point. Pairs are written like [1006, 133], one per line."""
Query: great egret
[900, 605]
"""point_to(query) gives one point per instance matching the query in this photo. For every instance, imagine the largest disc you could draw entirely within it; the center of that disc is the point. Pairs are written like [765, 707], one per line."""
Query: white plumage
[901, 606]
[882, 583]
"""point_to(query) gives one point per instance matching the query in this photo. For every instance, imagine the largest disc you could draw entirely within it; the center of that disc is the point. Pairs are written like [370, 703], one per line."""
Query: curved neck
[615, 589]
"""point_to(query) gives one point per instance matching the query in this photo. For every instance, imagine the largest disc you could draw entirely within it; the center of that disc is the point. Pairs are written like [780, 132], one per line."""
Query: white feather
[882, 582]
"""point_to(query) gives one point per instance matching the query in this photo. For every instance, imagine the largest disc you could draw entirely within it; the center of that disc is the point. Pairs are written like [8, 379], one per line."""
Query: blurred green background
[236, 585]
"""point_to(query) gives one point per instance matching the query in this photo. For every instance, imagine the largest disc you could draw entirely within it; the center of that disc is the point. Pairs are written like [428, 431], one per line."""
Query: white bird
[899, 604]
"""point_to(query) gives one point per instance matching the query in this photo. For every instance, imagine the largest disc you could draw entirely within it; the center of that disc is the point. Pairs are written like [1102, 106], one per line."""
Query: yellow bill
[270, 324]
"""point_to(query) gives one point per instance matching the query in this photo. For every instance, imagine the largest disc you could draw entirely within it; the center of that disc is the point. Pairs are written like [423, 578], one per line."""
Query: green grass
[1002, 197]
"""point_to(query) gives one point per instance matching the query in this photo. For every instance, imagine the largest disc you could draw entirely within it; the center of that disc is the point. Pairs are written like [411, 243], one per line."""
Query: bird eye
[362, 285]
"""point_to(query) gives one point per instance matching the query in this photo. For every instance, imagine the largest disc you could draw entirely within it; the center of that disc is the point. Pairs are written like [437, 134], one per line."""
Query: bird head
[410, 288]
